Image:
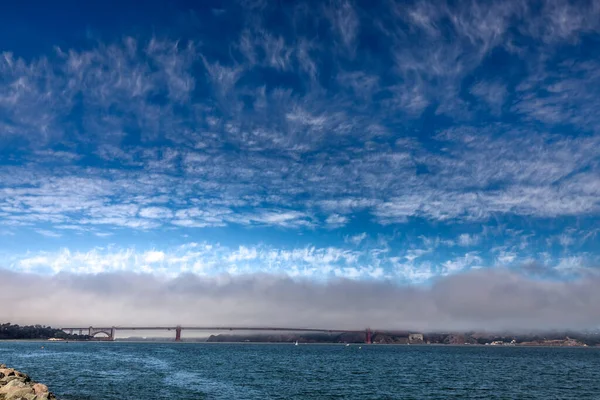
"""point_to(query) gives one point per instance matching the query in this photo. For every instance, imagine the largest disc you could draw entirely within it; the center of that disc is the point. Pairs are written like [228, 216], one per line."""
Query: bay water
[144, 371]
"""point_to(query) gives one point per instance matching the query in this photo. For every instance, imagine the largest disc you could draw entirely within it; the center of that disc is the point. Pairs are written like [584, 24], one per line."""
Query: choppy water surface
[90, 371]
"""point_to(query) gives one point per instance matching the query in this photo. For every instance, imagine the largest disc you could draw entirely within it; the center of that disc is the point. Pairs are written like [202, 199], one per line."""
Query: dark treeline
[291, 337]
[9, 331]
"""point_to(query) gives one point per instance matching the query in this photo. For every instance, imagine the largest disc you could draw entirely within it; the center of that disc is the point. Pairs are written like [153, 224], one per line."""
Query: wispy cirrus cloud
[493, 176]
[48, 233]
[345, 23]
[206, 259]
[356, 259]
[493, 93]
[391, 119]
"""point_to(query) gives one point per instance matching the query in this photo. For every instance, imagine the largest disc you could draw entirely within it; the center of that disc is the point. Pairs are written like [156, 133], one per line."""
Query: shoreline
[300, 344]
[17, 385]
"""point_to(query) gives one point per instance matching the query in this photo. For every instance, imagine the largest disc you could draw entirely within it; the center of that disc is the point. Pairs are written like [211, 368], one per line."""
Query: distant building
[415, 337]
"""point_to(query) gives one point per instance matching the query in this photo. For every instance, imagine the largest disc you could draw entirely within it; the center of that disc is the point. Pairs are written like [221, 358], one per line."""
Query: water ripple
[94, 371]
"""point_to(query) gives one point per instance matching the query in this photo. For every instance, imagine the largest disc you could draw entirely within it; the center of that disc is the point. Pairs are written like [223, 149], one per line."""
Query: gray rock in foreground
[15, 385]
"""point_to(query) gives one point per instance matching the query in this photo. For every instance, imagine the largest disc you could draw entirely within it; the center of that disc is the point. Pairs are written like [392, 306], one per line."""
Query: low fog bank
[480, 300]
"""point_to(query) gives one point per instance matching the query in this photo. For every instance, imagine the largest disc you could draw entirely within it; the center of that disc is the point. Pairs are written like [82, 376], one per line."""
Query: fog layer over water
[477, 300]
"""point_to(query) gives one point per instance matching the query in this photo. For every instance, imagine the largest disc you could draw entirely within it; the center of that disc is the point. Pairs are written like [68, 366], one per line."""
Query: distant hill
[452, 338]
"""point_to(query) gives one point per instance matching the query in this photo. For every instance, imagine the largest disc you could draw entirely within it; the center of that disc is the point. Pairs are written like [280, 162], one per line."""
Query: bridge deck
[219, 328]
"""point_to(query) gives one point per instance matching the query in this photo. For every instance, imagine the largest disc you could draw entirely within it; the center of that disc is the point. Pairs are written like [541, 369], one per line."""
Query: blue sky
[399, 141]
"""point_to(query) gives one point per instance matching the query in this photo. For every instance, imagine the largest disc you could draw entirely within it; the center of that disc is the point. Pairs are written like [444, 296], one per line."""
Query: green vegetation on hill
[13, 332]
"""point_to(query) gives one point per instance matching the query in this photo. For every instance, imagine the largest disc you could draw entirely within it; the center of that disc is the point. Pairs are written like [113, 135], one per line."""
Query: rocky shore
[15, 385]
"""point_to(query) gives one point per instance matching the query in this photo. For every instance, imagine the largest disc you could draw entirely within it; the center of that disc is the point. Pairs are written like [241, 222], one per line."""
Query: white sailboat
[296, 344]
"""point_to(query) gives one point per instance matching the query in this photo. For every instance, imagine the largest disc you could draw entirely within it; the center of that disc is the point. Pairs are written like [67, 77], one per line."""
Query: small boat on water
[296, 344]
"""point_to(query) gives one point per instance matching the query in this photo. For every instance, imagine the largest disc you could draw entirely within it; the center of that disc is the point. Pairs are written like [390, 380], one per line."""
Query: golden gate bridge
[110, 332]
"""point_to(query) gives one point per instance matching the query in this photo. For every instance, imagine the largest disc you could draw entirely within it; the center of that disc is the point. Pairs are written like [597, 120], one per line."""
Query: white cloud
[356, 239]
[203, 258]
[336, 220]
[156, 212]
[571, 264]
[153, 256]
[322, 263]
[413, 254]
[103, 196]
[47, 233]
[565, 240]
[345, 23]
[270, 49]
[103, 234]
[416, 273]
[506, 257]
[493, 93]
[280, 218]
[467, 240]
[470, 260]
[306, 155]
[242, 254]
[27, 264]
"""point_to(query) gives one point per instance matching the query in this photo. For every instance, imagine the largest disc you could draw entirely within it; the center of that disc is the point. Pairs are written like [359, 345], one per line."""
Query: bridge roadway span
[110, 332]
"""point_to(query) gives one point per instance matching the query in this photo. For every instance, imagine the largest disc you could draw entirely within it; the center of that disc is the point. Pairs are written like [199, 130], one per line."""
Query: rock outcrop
[15, 385]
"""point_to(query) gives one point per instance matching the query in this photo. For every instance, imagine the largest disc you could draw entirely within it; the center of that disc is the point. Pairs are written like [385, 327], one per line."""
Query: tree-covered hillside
[9, 331]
